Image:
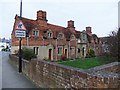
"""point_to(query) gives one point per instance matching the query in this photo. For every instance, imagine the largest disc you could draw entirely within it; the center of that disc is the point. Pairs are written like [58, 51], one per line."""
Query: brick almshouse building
[52, 42]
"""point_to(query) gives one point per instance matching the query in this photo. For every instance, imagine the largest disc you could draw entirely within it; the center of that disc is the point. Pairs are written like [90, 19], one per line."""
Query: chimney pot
[41, 15]
[89, 30]
[70, 24]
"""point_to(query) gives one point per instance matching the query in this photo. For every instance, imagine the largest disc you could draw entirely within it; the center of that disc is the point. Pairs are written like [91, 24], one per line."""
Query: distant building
[5, 43]
[52, 41]
[93, 42]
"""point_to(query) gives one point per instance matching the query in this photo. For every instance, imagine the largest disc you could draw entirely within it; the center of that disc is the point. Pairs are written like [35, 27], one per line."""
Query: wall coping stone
[98, 68]
[105, 74]
[63, 66]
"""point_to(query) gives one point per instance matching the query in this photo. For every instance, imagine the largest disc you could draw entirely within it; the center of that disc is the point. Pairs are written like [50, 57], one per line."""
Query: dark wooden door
[50, 54]
[66, 53]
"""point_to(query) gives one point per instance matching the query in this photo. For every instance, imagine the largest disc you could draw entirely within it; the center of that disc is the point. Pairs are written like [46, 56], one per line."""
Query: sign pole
[20, 56]
[20, 33]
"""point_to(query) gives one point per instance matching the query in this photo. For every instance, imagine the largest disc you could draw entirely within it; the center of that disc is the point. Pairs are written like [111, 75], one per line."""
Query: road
[11, 78]
[0, 70]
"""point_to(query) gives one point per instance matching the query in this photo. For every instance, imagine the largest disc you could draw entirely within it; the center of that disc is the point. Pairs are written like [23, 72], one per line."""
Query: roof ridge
[26, 18]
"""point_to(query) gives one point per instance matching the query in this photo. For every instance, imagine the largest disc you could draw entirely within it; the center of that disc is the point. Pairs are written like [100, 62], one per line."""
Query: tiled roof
[94, 36]
[32, 24]
[55, 27]
[104, 39]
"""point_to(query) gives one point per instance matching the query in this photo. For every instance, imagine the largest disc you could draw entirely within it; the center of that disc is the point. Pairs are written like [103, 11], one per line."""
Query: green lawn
[87, 63]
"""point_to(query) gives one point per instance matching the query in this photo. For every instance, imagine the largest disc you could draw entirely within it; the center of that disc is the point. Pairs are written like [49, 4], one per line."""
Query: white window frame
[36, 50]
[35, 33]
[50, 34]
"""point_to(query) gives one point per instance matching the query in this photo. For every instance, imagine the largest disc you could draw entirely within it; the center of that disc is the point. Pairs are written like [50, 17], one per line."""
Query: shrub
[91, 53]
[28, 54]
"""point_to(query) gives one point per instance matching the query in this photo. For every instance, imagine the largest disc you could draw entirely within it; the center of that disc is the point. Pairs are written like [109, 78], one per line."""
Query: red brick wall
[47, 74]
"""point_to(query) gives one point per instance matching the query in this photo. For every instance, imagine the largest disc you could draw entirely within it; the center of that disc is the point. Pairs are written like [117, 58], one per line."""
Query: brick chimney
[41, 15]
[89, 30]
[41, 18]
[44, 15]
[71, 25]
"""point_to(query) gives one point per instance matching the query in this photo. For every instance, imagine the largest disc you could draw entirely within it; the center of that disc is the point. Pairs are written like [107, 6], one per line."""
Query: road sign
[20, 26]
[20, 30]
[20, 33]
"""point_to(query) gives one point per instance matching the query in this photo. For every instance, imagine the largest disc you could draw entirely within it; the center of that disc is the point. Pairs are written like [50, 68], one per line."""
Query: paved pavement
[11, 78]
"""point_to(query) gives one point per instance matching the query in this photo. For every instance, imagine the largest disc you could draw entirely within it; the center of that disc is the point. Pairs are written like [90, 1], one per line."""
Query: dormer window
[60, 36]
[50, 35]
[35, 33]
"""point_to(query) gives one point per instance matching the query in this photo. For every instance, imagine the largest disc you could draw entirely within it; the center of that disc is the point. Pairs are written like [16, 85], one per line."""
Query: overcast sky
[101, 15]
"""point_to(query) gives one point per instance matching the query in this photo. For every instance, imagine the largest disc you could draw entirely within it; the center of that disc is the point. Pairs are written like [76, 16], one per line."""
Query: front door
[66, 53]
[83, 51]
[50, 54]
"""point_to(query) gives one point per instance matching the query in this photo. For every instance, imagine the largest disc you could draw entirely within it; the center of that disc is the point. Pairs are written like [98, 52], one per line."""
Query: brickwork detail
[52, 75]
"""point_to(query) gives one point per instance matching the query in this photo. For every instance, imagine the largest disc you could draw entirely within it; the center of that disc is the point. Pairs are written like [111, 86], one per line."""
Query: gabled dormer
[60, 35]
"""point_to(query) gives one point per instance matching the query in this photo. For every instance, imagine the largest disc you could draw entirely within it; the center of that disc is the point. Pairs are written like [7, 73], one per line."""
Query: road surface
[0, 70]
[11, 78]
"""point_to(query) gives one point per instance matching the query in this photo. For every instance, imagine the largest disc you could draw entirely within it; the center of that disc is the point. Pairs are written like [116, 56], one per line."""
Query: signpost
[20, 30]
[20, 33]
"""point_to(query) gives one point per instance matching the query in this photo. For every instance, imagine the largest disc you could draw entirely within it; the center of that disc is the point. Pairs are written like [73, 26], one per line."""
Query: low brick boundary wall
[52, 75]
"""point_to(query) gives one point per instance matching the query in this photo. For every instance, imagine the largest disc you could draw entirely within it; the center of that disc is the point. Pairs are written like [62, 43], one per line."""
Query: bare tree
[118, 37]
[114, 44]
